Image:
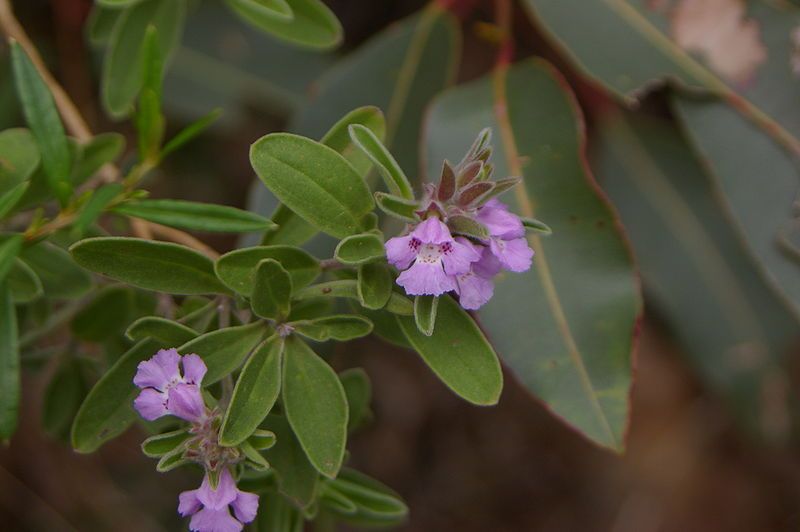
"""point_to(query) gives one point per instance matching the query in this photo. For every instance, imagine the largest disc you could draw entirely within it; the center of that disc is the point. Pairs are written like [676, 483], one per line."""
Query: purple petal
[194, 369]
[474, 291]
[426, 279]
[188, 503]
[245, 506]
[488, 266]
[401, 250]
[221, 497]
[151, 404]
[186, 402]
[159, 371]
[515, 255]
[432, 231]
[459, 255]
[499, 221]
[208, 520]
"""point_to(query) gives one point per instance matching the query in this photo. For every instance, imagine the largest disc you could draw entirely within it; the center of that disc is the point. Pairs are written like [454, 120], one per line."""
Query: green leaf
[358, 390]
[42, 116]
[159, 266]
[224, 350]
[340, 328]
[105, 316]
[260, 439]
[101, 23]
[646, 55]
[338, 136]
[374, 285]
[467, 226]
[149, 118]
[60, 276]
[272, 290]
[312, 24]
[102, 149]
[9, 249]
[315, 405]
[399, 70]
[236, 269]
[122, 67]
[191, 132]
[394, 177]
[171, 461]
[376, 504]
[425, 313]
[291, 229]
[117, 4]
[274, 9]
[19, 157]
[532, 224]
[699, 277]
[458, 353]
[255, 460]
[282, 517]
[23, 282]
[93, 208]
[314, 181]
[9, 200]
[397, 304]
[256, 391]
[62, 398]
[566, 327]
[196, 216]
[403, 209]
[358, 249]
[107, 411]
[165, 443]
[9, 365]
[761, 208]
[162, 330]
[297, 478]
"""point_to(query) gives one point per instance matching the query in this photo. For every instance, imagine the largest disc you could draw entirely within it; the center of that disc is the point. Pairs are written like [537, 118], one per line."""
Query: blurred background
[711, 441]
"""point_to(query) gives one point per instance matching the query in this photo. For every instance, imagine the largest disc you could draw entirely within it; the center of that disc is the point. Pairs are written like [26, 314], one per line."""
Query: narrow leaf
[224, 350]
[425, 313]
[9, 365]
[398, 207]
[19, 157]
[394, 177]
[9, 249]
[312, 24]
[196, 216]
[190, 132]
[162, 330]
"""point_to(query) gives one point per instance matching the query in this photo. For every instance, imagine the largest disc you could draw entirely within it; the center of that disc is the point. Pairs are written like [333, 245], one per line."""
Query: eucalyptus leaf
[256, 391]
[315, 406]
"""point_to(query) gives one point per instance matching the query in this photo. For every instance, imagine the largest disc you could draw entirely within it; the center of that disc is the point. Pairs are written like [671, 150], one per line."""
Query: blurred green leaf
[60, 276]
[196, 216]
[314, 181]
[282, 517]
[10, 246]
[9, 365]
[272, 290]
[376, 504]
[19, 157]
[42, 117]
[149, 121]
[62, 398]
[107, 411]
[159, 266]
[256, 391]
[570, 336]
[162, 330]
[224, 350]
[297, 478]
[315, 405]
[23, 282]
[236, 268]
[106, 315]
[91, 211]
[99, 151]
[9, 200]
[736, 332]
[190, 132]
[475, 373]
[358, 390]
[311, 25]
[100, 24]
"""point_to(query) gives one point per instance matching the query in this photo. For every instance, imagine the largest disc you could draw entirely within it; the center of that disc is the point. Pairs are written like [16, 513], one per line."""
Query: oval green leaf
[272, 290]
[224, 350]
[236, 268]
[358, 249]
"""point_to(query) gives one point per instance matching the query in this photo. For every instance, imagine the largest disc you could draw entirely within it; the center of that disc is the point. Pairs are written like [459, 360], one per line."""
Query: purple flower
[430, 258]
[210, 508]
[507, 243]
[165, 391]
[476, 287]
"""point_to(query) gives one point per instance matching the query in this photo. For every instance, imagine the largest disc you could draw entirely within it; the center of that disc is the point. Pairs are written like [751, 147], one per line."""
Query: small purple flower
[507, 243]
[165, 391]
[476, 287]
[211, 508]
[430, 258]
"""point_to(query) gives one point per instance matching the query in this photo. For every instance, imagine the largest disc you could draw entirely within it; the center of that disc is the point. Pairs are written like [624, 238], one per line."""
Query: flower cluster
[168, 391]
[489, 238]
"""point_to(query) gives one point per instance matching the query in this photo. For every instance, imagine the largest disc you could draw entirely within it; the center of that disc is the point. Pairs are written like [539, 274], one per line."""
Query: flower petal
[208, 520]
[151, 404]
[159, 371]
[186, 402]
[515, 255]
[426, 279]
[194, 369]
[188, 503]
[245, 506]
[432, 231]
[221, 497]
[459, 255]
[401, 250]
[499, 220]
[474, 291]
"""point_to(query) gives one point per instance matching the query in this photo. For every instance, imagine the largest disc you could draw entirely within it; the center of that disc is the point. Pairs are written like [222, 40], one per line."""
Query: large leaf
[735, 331]
[315, 405]
[256, 391]
[458, 353]
[760, 184]
[108, 409]
[314, 181]
[399, 71]
[566, 326]
[159, 266]
[236, 268]
[311, 23]
[297, 478]
[642, 52]
[9, 365]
